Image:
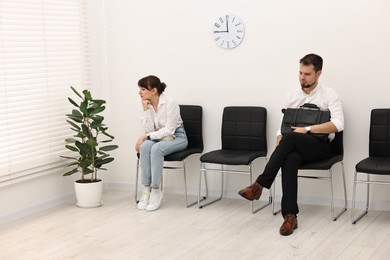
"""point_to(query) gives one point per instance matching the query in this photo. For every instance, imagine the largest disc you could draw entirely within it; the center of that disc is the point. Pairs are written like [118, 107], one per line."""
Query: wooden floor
[224, 230]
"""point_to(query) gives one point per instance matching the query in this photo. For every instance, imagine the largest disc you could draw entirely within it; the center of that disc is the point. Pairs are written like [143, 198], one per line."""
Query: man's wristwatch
[308, 128]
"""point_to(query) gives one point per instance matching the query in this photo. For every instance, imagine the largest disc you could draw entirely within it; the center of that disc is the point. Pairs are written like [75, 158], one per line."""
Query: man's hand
[278, 139]
[301, 130]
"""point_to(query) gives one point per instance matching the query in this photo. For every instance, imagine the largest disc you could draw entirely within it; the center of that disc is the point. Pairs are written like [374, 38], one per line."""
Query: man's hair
[312, 59]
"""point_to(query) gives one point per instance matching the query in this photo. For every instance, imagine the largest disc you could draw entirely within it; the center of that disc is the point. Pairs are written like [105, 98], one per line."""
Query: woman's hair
[312, 59]
[151, 82]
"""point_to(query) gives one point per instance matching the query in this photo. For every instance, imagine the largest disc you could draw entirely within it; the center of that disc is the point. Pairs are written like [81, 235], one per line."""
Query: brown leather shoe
[252, 192]
[290, 223]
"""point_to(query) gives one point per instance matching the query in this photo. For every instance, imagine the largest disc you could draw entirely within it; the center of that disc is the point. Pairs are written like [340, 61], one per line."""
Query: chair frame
[204, 169]
[335, 215]
[180, 167]
[372, 154]
[368, 182]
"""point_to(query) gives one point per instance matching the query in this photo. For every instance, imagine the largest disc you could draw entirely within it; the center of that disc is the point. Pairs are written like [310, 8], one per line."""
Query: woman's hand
[140, 141]
[145, 104]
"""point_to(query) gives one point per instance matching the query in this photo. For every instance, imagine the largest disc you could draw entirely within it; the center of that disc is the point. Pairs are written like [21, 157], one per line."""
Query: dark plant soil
[88, 181]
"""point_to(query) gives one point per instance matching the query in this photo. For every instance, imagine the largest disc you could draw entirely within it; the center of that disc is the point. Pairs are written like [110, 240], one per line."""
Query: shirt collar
[314, 91]
[161, 100]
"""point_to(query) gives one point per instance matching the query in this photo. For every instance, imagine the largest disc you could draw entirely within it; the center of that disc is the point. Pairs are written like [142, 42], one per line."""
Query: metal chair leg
[274, 212]
[222, 187]
[254, 210]
[355, 181]
[136, 183]
[185, 187]
[335, 217]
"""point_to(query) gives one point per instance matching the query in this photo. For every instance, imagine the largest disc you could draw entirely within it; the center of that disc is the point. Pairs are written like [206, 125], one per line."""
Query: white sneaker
[144, 201]
[154, 200]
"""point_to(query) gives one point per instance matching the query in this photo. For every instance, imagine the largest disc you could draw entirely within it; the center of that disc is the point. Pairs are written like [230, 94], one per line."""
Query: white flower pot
[89, 195]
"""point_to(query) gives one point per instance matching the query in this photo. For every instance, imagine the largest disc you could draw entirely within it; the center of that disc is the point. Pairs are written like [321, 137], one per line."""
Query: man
[299, 146]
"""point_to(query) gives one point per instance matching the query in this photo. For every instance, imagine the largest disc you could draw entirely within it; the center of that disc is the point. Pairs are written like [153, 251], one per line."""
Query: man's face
[307, 76]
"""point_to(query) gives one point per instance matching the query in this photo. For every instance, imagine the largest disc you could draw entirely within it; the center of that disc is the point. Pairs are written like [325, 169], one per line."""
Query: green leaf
[74, 125]
[87, 171]
[98, 101]
[91, 142]
[71, 164]
[86, 131]
[67, 157]
[84, 148]
[97, 110]
[72, 148]
[87, 94]
[108, 148]
[83, 108]
[75, 91]
[77, 114]
[70, 172]
[74, 103]
[99, 163]
[70, 140]
[106, 134]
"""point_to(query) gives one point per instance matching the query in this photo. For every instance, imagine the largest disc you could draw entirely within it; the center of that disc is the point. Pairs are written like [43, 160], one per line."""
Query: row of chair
[244, 140]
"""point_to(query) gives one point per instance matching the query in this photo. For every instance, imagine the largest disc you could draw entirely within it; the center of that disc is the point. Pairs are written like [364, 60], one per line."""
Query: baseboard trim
[26, 212]
[70, 198]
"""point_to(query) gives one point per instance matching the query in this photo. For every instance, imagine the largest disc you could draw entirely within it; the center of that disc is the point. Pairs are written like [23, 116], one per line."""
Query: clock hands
[227, 25]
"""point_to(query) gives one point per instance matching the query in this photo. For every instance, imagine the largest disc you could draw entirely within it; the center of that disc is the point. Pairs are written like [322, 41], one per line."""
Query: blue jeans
[152, 154]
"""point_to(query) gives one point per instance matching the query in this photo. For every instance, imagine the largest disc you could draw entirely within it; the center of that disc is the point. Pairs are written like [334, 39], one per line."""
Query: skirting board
[34, 209]
[70, 198]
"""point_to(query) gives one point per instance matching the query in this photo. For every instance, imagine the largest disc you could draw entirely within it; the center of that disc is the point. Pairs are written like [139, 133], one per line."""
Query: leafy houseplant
[89, 143]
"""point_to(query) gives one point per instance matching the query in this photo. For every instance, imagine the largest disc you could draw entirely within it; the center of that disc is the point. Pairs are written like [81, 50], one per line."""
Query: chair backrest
[192, 120]
[244, 128]
[379, 141]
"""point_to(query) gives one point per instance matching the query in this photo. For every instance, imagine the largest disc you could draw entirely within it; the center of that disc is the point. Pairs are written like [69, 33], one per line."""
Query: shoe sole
[289, 233]
[256, 198]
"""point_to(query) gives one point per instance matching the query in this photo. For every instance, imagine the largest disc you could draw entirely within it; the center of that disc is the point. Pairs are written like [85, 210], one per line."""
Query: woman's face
[145, 93]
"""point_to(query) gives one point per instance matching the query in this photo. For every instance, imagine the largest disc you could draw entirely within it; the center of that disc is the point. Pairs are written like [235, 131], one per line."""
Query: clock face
[228, 31]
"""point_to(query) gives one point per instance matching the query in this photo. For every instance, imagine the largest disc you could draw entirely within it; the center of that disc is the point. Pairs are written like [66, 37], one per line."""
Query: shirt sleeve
[147, 120]
[336, 110]
[286, 104]
[172, 117]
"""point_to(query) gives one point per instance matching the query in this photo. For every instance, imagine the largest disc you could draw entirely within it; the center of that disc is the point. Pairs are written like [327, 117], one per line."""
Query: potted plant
[89, 145]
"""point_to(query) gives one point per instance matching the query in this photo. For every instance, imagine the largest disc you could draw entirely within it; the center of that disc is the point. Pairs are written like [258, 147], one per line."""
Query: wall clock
[228, 31]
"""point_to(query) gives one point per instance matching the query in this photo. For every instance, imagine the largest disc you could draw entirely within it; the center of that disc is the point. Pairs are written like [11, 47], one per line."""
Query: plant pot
[89, 194]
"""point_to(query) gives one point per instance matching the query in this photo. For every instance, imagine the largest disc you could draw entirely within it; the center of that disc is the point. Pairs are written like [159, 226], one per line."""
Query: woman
[164, 134]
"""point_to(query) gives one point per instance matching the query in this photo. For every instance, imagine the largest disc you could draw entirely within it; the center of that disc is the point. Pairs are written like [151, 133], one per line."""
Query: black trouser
[292, 151]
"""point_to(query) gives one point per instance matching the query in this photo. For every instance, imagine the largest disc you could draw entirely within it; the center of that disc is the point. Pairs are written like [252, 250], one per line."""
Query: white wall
[173, 40]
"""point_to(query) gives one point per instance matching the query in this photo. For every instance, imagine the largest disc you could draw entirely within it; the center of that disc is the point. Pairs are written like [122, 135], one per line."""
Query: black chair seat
[181, 155]
[231, 157]
[374, 165]
[323, 164]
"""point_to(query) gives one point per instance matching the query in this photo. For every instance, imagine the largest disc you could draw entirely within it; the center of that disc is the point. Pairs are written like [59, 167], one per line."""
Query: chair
[378, 160]
[243, 140]
[192, 120]
[326, 165]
